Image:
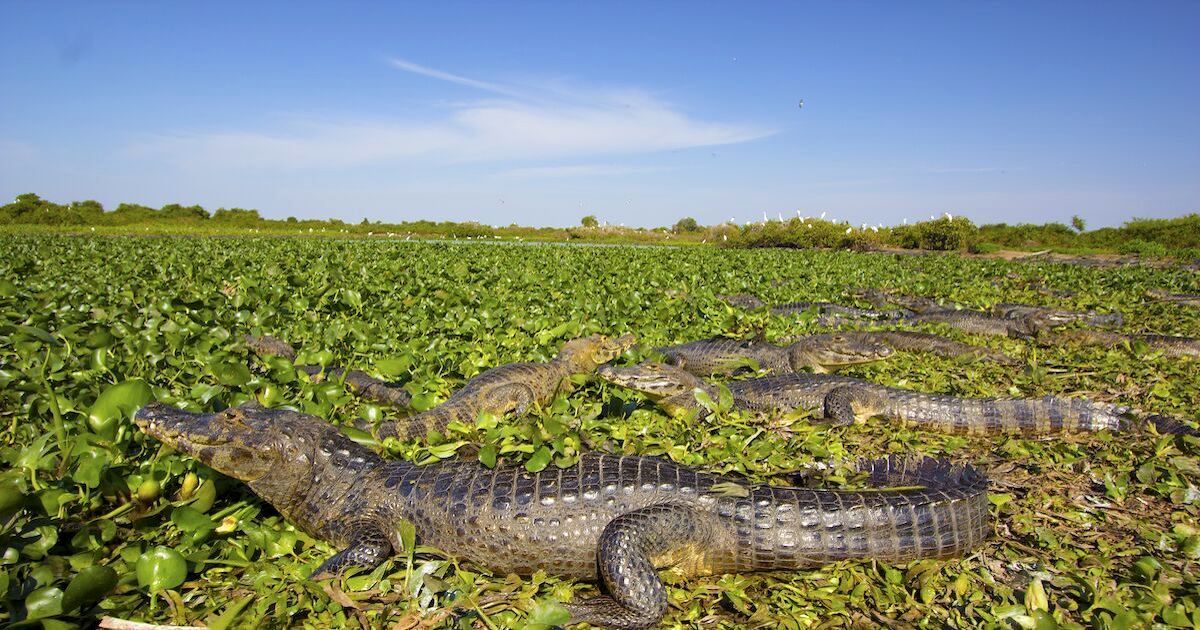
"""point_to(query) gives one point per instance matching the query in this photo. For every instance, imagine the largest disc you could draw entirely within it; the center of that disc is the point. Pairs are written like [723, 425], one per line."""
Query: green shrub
[946, 234]
[983, 248]
[1143, 248]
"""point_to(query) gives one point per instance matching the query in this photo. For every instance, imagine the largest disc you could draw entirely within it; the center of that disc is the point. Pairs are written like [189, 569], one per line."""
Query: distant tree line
[1179, 237]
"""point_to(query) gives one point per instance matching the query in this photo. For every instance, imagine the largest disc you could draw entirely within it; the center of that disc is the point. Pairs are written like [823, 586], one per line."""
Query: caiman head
[587, 353]
[273, 450]
[836, 349]
[671, 387]
[656, 380]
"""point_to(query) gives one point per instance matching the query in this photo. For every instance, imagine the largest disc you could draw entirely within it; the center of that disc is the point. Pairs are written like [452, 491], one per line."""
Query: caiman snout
[170, 425]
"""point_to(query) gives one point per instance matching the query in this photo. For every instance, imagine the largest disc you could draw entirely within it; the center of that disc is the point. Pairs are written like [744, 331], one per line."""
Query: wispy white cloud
[487, 86]
[525, 125]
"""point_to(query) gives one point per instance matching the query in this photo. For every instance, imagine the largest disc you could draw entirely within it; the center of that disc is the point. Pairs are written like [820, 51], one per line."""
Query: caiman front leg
[626, 554]
[845, 404]
[369, 547]
[514, 397]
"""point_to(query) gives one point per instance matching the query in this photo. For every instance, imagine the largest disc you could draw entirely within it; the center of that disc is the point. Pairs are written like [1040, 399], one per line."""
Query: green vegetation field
[98, 519]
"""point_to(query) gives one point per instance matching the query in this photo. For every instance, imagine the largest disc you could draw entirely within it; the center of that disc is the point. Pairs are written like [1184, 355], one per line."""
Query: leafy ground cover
[98, 519]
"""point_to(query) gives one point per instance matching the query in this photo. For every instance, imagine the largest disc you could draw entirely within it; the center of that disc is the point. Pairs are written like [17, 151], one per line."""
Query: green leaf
[90, 465]
[487, 456]
[118, 403]
[231, 373]
[11, 496]
[204, 497]
[547, 614]
[226, 618]
[44, 602]
[539, 460]
[88, 587]
[190, 519]
[161, 568]
[393, 367]
[408, 536]
[1035, 596]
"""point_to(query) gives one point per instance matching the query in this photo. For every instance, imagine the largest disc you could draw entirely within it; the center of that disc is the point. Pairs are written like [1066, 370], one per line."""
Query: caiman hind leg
[627, 553]
[847, 403]
[369, 547]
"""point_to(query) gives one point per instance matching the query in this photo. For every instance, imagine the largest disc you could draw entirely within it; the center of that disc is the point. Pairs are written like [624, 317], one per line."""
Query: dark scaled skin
[722, 355]
[514, 387]
[843, 400]
[828, 313]
[980, 323]
[1171, 346]
[880, 298]
[612, 519]
[1186, 299]
[1022, 319]
[909, 341]
[359, 382]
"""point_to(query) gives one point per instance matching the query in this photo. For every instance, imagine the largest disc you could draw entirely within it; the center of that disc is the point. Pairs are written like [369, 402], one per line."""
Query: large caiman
[843, 400]
[612, 519]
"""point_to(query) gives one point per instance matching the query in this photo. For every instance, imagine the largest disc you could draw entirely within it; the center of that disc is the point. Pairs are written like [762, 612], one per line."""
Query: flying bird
[801, 104]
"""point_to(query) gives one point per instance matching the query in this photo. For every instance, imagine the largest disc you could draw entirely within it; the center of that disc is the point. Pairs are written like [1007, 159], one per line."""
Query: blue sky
[639, 113]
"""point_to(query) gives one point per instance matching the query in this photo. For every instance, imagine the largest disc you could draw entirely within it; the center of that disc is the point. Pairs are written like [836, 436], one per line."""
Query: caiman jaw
[649, 381]
[231, 442]
[182, 430]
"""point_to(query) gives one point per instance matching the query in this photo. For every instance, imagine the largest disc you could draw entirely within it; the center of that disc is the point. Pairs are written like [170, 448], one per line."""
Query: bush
[686, 224]
[860, 240]
[1187, 253]
[946, 234]
[983, 248]
[906, 236]
[1143, 248]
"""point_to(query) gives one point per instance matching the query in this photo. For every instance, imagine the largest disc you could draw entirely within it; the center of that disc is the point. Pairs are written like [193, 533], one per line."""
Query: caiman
[981, 323]
[359, 382]
[828, 313]
[1187, 299]
[1028, 316]
[722, 355]
[819, 353]
[612, 519]
[1171, 345]
[908, 341]
[513, 387]
[882, 299]
[843, 400]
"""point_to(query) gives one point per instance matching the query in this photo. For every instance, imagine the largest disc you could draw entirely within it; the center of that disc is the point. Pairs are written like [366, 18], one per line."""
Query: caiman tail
[779, 528]
[947, 516]
[981, 416]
